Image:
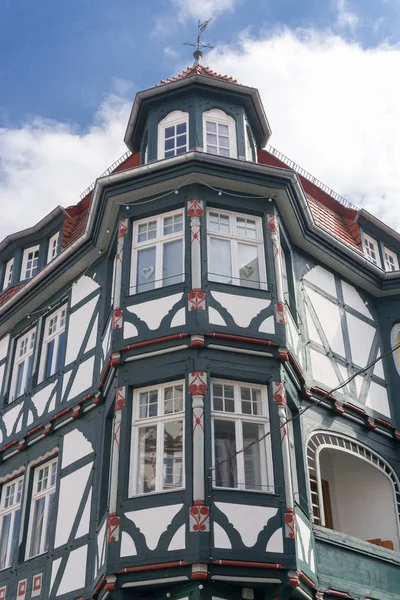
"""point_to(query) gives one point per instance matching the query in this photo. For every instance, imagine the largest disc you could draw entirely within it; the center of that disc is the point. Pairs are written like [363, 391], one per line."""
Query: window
[53, 247]
[22, 369]
[371, 250]
[219, 133]
[391, 261]
[10, 514]
[158, 438]
[157, 258]
[235, 249]
[8, 274]
[239, 415]
[173, 134]
[30, 262]
[53, 343]
[44, 485]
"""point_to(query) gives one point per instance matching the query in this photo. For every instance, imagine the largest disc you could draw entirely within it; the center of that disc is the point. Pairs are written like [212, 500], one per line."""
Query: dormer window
[8, 274]
[219, 133]
[371, 250]
[53, 247]
[391, 260]
[173, 135]
[30, 262]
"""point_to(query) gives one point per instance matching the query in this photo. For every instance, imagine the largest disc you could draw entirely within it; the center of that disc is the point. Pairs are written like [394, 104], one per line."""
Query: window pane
[146, 269]
[37, 526]
[181, 140]
[173, 453]
[181, 150]
[210, 126]
[223, 129]
[15, 531]
[60, 351]
[20, 379]
[169, 144]
[224, 447]
[212, 149]
[218, 222]
[148, 404]
[147, 460]
[50, 501]
[173, 399]
[147, 231]
[169, 153]
[172, 263]
[211, 139]
[169, 132]
[254, 457]
[5, 532]
[220, 260]
[248, 266]
[49, 359]
[224, 142]
[224, 152]
[181, 128]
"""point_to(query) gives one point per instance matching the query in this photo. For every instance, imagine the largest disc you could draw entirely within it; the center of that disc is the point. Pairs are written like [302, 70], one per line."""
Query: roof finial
[198, 53]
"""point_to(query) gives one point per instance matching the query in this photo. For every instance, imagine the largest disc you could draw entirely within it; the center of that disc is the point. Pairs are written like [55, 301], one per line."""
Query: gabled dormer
[197, 110]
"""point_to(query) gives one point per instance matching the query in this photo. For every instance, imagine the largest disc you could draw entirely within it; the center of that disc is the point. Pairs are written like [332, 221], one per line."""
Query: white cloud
[204, 9]
[346, 19]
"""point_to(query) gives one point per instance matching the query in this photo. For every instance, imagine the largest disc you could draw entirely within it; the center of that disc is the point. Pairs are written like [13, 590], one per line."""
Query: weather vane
[201, 27]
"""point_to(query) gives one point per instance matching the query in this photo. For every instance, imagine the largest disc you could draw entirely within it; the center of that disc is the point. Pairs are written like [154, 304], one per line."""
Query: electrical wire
[304, 409]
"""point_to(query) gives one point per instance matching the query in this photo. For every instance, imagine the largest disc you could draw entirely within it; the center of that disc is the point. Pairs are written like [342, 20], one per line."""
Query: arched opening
[353, 490]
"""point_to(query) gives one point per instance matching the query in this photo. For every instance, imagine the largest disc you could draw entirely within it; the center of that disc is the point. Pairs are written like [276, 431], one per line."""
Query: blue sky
[70, 69]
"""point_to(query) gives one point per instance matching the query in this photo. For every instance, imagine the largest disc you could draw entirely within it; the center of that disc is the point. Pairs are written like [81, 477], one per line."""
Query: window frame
[370, 241]
[267, 478]
[49, 491]
[26, 359]
[52, 250]
[159, 241]
[173, 119]
[8, 272]
[12, 536]
[33, 269]
[218, 116]
[235, 240]
[386, 252]
[159, 420]
[57, 353]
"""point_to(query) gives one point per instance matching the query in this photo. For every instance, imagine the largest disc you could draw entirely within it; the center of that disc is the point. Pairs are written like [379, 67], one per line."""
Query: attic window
[53, 247]
[8, 274]
[391, 260]
[30, 262]
[173, 135]
[219, 133]
[371, 250]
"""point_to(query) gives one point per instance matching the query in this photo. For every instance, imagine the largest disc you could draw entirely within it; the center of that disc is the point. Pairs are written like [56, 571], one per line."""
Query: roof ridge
[197, 70]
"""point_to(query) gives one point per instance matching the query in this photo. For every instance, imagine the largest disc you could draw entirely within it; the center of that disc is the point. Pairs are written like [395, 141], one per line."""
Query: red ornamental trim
[199, 518]
[290, 523]
[307, 580]
[195, 208]
[3, 593]
[280, 313]
[246, 563]
[279, 393]
[197, 383]
[122, 228]
[111, 581]
[197, 299]
[112, 528]
[21, 590]
[272, 223]
[117, 318]
[198, 421]
[178, 563]
[120, 399]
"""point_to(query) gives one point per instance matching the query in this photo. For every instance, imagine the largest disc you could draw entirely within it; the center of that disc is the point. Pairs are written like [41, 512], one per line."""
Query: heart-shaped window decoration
[147, 272]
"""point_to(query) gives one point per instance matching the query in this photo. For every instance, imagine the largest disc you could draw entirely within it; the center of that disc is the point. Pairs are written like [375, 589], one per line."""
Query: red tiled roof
[332, 222]
[10, 293]
[198, 70]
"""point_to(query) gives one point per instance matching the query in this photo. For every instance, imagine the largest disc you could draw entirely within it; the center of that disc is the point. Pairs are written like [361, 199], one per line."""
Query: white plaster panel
[77, 328]
[275, 542]
[82, 288]
[353, 299]
[361, 337]
[241, 308]
[83, 527]
[221, 539]
[10, 417]
[75, 446]
[329, 317]
[322, 279]
[4, 346]
[2, 371]
[54, 570]
[130, 330]
[303, 542]
[66, 379]
[91, 343]
[71, 491]
[378, 370]
[313, 334]
[29, 420]
[128, 547]
[268, 325]
[322, 369]
[74, 577]
[42, 397]
[83, 378]
[377, 399]
[152, 522]
[214, 317]
[248, 521]
[178, 541]
[359, 381]
[101, 544]
[154, 311]
[179, 318]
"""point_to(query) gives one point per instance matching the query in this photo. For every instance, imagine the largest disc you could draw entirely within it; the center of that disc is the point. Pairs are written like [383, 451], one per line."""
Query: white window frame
[158, 242]
[159, 421]
[23, 361]
[235, 239]
[238, 417]
[174, 118]
[8, 273]
[38, 493]
[390, 259]
[370, 248]
[218, 116]
[11, 490]
[27, 272]
[292, 453]
[53, 330]
[53, 247]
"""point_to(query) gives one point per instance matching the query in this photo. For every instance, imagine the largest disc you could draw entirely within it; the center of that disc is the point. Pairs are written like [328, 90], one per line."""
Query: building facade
[193, 403]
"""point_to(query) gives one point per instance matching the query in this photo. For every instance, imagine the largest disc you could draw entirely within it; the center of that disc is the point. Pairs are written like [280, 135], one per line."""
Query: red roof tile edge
[197, 70]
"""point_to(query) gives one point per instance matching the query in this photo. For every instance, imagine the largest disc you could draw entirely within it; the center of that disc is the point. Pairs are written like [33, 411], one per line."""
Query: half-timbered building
[192, 399]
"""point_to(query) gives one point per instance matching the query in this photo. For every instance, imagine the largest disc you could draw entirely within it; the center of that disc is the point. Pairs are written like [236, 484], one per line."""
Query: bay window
[173, 134]
[30, 262]
[53, 343]
[10, 514]
[157, 252]
[41, 511]
[235, 249]
[23, 360]
[239, 420]
[158, 438]
[219, 133]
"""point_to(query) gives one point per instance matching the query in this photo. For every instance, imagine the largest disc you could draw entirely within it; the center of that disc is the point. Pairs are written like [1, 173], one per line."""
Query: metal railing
[106, 172]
